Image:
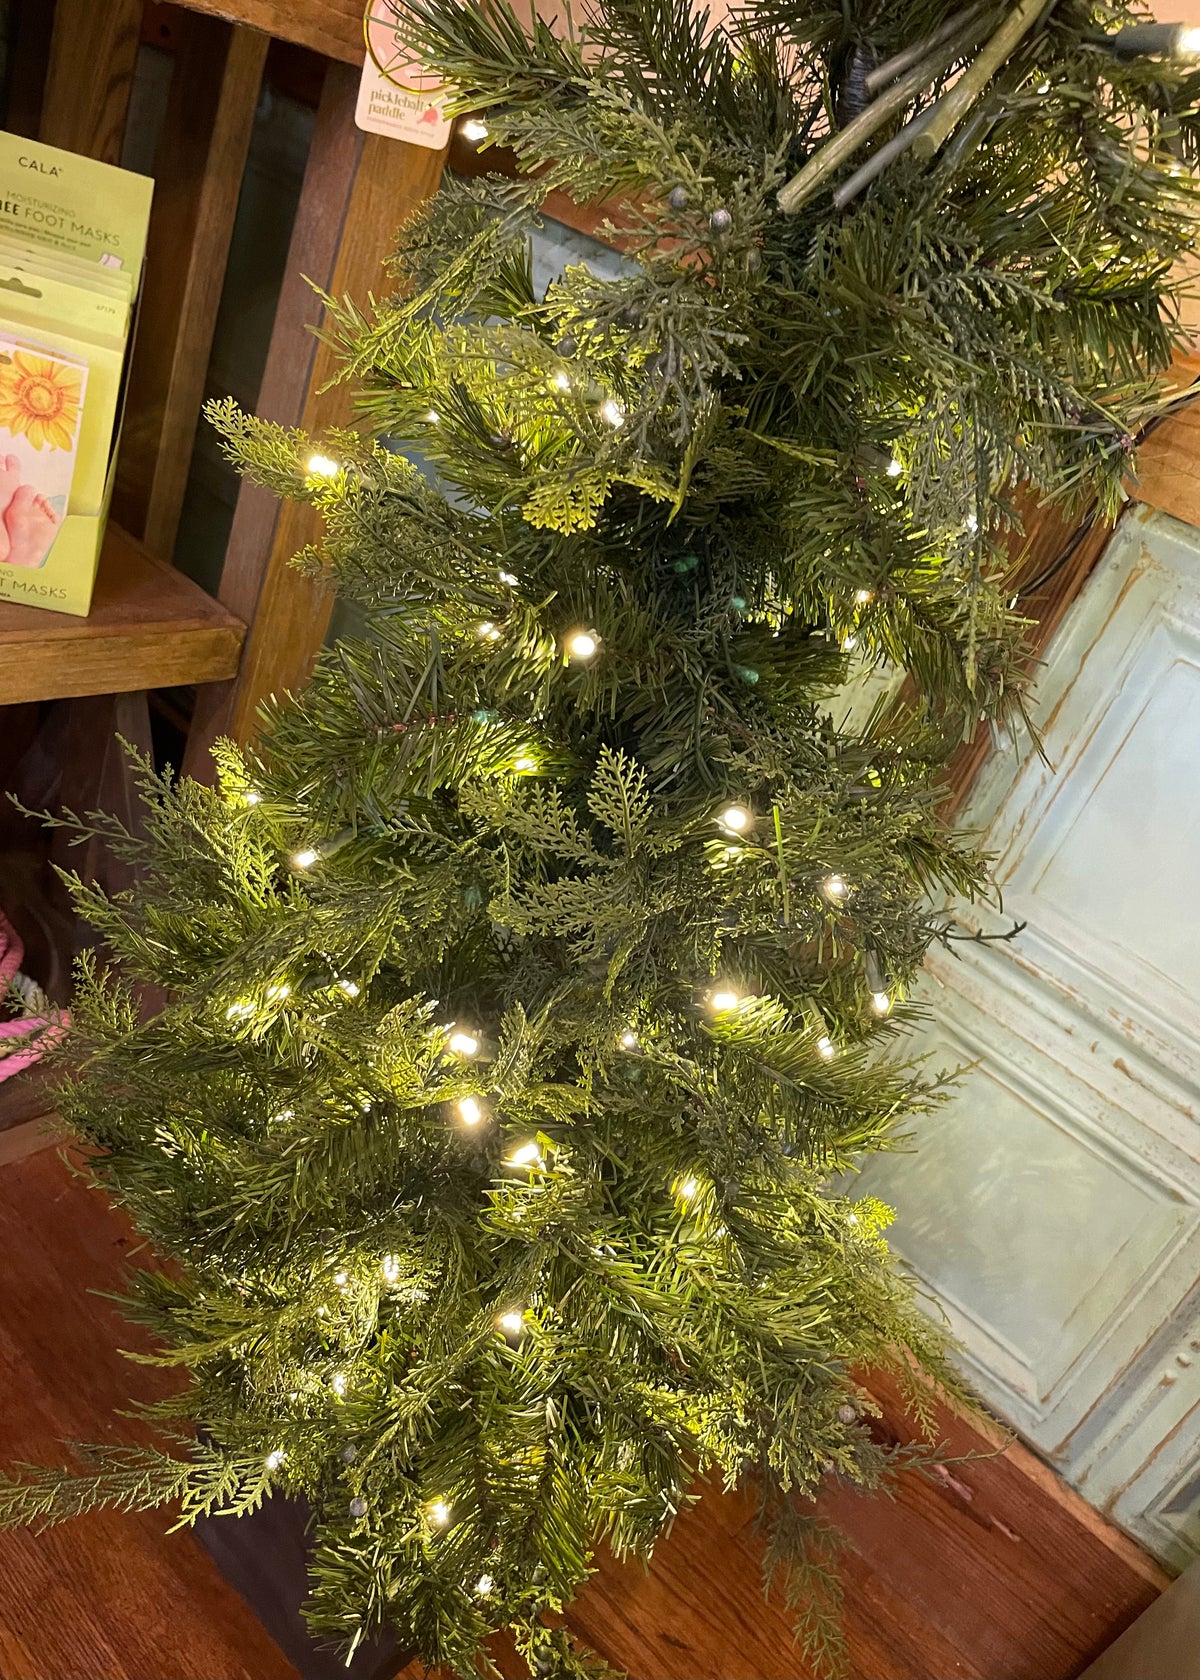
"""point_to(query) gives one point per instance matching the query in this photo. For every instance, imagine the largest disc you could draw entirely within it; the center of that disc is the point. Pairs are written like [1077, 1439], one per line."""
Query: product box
[72, 243]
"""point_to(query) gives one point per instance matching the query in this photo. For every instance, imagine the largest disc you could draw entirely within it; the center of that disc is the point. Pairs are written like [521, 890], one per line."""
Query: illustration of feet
[10, 478]
[29, 524]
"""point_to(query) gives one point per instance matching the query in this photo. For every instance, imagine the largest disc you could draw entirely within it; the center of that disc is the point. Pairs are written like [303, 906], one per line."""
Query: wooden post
[357, 190]
[92, 58]
[198, 173]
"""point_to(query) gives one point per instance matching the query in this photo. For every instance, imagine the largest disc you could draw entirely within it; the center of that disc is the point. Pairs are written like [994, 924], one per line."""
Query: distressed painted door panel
[1053, 1206]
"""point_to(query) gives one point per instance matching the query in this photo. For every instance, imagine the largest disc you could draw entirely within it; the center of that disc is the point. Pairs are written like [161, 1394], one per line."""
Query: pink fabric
[37, 1032]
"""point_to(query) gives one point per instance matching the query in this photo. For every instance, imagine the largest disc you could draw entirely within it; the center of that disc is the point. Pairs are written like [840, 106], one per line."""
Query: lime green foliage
[524, 983]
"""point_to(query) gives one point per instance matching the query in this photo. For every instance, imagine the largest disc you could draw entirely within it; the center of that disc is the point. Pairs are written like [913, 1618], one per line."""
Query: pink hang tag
[398, 97]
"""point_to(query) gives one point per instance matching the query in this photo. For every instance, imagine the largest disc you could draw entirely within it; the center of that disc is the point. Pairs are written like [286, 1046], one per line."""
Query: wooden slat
[92, 58]
[332, 27]
[198, 175]
[1168, 463]
[150, 627]
[357, 190]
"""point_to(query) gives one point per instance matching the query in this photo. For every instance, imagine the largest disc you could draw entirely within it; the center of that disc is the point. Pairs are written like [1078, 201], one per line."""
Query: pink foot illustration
[30, 523]
[10, 478]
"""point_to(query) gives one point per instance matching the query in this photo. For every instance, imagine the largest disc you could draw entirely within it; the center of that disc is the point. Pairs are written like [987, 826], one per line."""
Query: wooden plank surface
[357, 190]
[150, 627]
[107, 1597]
[92, 58]
[198, 177]
[991, 1571]
[332, 27]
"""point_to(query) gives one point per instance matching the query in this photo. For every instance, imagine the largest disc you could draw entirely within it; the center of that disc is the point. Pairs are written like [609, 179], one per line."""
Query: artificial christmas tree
[530, 983]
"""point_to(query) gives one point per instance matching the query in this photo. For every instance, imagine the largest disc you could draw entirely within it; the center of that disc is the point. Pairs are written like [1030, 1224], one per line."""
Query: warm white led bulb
[849, 643]
[629, 1039]
[349, 987]
[612, 413]
[972, 523]
[835, 889]
[240, 1009]
[275, 1459]
[338, 1383]
[826, 1046]
[724, 999]
[512, 1322]
[320, 466]
[881, 1002]
[862, 596]
[469, 1111]
[390, 1268]
[561, 382]
[1187, 43]
[488, 631]
[737, 818]
[525, 762]
[473, 129]
[433, 417]
[305, 857]
[581, 644]
[439, 1512]
[688, 1189]
[341, 1279]
[275, 994]
[464, 1044]
[528, 1155]
[484, 1586]
[252, 796]
[509, 579]
[894, 468]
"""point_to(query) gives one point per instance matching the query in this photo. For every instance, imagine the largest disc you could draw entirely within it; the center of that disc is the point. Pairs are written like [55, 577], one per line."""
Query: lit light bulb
[512, 1323]
[320, 466]
[390, 1268]
[629, 1039]
[484, 1586]
[849, 643]
[489, 631]
[852, 1219]
[275, 1459]
[509, 579]
[561, 382]
[433, 417]
[305, 857]
[972, 523]
[525, 763]
[724, 999]
[252, 796]
[464, 1044]
[688, 1189]
[826, 1047]
[240, 1009]
[341, 1279]
[338, 1383]
[894, 468]
[1187, 43]
[284, 1115]
[349, 987]
[528, 1155]
[473, 129]
[881, 1002]
[581, 644]
[612, 413]
[737, 818]
[835, 889]
[469, 1111]
[276, 993]
[439, 1512]
[862, 596]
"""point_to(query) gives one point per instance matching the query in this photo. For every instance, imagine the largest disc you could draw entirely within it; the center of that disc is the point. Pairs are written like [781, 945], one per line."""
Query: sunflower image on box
[41, 399]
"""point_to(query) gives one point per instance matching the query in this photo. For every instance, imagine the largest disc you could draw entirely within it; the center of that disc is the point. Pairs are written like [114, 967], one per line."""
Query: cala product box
[72, 244]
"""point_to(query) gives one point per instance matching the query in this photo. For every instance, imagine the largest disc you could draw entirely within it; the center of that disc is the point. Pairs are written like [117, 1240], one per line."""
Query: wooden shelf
[149, 627]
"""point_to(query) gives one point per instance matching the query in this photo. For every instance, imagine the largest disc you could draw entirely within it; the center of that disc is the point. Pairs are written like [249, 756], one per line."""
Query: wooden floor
[989, 1572]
